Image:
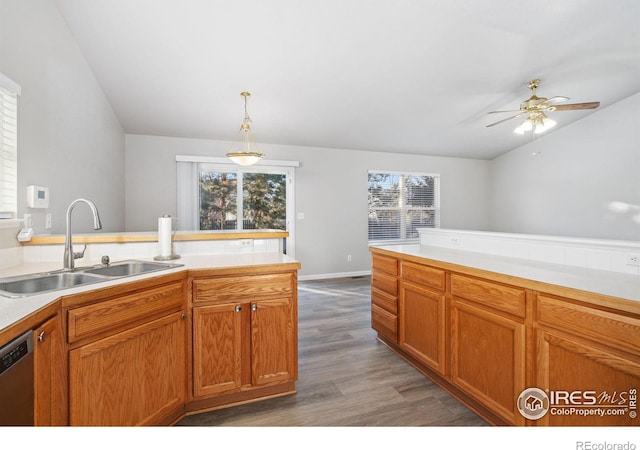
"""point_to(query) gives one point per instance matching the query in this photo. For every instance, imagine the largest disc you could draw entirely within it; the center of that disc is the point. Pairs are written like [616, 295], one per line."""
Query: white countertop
[598, 281]
[15, 309]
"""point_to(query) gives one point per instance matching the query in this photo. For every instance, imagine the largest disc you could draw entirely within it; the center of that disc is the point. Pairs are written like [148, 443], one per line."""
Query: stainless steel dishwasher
[16, 381]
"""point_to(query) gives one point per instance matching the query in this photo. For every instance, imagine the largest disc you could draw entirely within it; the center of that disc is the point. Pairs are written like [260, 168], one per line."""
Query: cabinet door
[217, 350]
[50, 376]
[488, 358]
[136, 377]
[591, 373]
[422, 325]
[273, 341]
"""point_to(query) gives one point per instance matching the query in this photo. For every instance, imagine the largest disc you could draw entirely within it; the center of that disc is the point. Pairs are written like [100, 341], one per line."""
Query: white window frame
[9, 92]
[188, 190]
[402, 207]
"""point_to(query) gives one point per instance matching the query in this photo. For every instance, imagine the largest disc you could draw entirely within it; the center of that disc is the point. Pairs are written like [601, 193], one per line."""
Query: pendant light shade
[249, 154]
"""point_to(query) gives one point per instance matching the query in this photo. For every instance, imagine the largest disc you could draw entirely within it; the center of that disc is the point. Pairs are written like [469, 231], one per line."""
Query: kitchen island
[488, 328]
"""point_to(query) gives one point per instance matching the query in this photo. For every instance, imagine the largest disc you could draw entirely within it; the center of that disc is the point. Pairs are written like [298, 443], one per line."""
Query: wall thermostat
[37, 196]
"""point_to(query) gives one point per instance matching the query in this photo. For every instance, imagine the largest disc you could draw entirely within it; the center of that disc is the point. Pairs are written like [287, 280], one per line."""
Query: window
[399, 203]
[259, 199]
[9, 92]
[213, 194]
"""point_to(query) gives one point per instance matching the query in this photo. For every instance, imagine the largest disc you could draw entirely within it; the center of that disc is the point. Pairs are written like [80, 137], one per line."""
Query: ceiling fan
[534, 109]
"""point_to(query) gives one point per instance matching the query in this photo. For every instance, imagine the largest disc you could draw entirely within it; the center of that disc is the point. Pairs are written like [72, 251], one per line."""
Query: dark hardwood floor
[346, 377]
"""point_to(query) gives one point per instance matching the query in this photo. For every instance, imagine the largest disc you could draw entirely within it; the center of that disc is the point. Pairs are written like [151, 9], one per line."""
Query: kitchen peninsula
[219, 330]
[486, 327]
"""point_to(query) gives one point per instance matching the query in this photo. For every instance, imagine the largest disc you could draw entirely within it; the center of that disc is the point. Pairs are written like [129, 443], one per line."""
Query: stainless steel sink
[128, 268]
[38, 283]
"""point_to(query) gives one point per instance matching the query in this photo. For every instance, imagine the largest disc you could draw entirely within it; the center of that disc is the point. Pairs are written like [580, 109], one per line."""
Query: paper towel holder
[173, 255]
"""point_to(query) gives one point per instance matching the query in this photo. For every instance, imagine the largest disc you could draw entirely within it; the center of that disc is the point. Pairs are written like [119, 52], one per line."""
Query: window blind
[9, 92]
[400, 203]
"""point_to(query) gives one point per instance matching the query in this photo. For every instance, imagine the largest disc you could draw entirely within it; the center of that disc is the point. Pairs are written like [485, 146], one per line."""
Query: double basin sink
[38, 283]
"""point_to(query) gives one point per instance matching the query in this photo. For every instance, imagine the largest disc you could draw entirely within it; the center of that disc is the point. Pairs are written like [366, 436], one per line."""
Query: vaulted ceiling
[407, 76]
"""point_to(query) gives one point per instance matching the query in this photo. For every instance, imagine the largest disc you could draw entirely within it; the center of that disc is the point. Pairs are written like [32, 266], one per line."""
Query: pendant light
[250, 155]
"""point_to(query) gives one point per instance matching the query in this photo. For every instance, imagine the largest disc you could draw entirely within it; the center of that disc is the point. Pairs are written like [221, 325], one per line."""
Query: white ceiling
[407, 76]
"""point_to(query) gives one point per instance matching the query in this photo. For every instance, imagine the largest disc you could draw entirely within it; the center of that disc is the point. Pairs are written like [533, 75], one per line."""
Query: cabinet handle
[238, 308]
[254, 307]
[41, 336]
[183, 316]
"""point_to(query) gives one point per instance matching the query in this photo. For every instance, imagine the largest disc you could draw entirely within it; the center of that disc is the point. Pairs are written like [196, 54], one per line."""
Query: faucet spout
[69, 255]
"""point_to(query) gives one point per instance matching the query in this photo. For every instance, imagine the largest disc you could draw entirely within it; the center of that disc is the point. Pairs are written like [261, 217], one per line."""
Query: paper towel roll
[164, 235]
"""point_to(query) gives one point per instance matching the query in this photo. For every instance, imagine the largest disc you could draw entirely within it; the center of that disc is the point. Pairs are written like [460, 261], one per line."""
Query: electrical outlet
[48, 223]
[348, 258]
[633, 259]
[27, 221]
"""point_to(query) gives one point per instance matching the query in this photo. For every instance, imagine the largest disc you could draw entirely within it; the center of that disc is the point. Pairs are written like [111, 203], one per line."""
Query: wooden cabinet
[384, 296]
[149, 352]
[244, 333]
[422, 315]
[488, 346]
[487, 338]
[589, 359]
[217, 344]
[127, 361]
[50, 358]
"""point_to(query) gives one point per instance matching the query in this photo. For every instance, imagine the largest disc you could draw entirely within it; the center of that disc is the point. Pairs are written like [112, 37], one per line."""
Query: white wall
[331, 191]
[69, 138]
[71, 141]
[584, 183]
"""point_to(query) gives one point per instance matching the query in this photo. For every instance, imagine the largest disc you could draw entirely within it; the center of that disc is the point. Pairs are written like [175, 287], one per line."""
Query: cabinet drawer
[385, 283]
[384, 322]
[615, 329]
[116, 312]
[384, 301]
[418, 273]
[504, 298]
[385, 264]
[242, 288]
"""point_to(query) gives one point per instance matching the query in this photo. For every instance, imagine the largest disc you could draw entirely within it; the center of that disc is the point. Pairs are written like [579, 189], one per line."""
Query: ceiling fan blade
[572, 106]
[507, 110]
[508, 118]
[554, 100]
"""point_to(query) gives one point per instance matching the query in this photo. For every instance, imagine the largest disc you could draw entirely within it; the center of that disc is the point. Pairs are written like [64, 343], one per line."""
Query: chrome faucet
[69, 255]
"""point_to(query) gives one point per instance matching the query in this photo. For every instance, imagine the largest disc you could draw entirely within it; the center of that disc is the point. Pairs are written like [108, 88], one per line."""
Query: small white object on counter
[164, 236]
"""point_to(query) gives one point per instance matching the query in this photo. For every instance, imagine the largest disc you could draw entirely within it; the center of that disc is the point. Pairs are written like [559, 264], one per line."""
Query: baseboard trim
[326, 276]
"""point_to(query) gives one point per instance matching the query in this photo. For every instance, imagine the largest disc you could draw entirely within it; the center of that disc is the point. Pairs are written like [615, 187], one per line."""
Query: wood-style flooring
[346, 377]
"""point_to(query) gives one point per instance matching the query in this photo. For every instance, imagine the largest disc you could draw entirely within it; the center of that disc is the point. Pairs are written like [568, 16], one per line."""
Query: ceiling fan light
[548, 123]
[526, 125]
